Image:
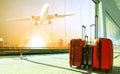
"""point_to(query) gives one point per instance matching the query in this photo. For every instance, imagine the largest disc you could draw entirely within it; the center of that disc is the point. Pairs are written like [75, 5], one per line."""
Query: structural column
[100, 21]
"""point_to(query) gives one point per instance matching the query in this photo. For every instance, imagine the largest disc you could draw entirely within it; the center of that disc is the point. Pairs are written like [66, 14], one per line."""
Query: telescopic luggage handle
[83, 31]
[83, 26]
[86, 39]
[92, 25]
[91, 32]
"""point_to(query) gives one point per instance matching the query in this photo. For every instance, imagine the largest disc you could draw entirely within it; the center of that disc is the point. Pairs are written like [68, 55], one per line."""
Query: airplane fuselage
[39, 20]
[44, 16]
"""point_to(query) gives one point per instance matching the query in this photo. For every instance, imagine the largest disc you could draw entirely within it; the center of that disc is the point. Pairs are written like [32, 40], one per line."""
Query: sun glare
[37, 41]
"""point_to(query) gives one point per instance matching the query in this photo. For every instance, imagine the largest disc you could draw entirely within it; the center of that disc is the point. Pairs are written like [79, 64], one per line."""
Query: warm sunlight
[36, 41]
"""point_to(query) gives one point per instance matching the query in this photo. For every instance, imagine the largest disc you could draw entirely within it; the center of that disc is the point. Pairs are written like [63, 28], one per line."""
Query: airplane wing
[20, 19]
[62, 15]
[36, 18]
[58, 16]
[50, 17]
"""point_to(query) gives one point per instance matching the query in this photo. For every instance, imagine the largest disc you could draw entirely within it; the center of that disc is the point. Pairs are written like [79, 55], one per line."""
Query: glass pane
[30, 24]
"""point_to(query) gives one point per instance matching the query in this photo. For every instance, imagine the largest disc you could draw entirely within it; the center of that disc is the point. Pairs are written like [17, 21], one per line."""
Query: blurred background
[57, 34]
[61, 30]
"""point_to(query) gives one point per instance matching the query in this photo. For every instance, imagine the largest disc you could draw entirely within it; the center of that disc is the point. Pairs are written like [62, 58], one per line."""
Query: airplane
[44, 16]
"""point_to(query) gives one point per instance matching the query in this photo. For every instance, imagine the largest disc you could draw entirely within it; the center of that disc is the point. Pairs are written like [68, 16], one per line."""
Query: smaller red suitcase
[75, 55]
[103, 54]
[87, 54]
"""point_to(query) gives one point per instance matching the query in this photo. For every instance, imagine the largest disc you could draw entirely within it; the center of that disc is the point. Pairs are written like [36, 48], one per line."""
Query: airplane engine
[49, 22]
[33, 17]
[56, 15]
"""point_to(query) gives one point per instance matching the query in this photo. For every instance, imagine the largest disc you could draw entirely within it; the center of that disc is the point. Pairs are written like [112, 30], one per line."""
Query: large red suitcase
[75, 55]
[103, 54]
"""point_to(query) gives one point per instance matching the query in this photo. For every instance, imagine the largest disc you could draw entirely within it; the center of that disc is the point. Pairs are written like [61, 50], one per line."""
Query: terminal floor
[47, 64]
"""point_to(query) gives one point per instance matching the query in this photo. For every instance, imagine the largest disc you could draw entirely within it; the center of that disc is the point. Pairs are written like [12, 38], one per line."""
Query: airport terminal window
[113, 32]
[56, 33]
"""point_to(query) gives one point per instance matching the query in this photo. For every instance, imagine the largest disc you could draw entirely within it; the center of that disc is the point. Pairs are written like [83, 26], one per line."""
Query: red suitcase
[75, 55]
[103, 54]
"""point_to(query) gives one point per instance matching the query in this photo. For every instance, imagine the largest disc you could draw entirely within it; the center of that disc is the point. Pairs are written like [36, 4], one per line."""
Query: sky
[13, 32]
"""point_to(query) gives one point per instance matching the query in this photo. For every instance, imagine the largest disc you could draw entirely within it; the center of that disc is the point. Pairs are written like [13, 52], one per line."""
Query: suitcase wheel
[78, 67]
[107, 71]
[70, 65]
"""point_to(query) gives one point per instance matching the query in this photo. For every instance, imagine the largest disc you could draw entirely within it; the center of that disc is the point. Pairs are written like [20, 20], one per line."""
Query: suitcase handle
[83, 31]
[86, 39]
[91, 26]
[83, 26]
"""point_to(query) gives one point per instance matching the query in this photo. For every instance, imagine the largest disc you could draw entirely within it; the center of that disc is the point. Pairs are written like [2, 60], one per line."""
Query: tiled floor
[47, 64]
